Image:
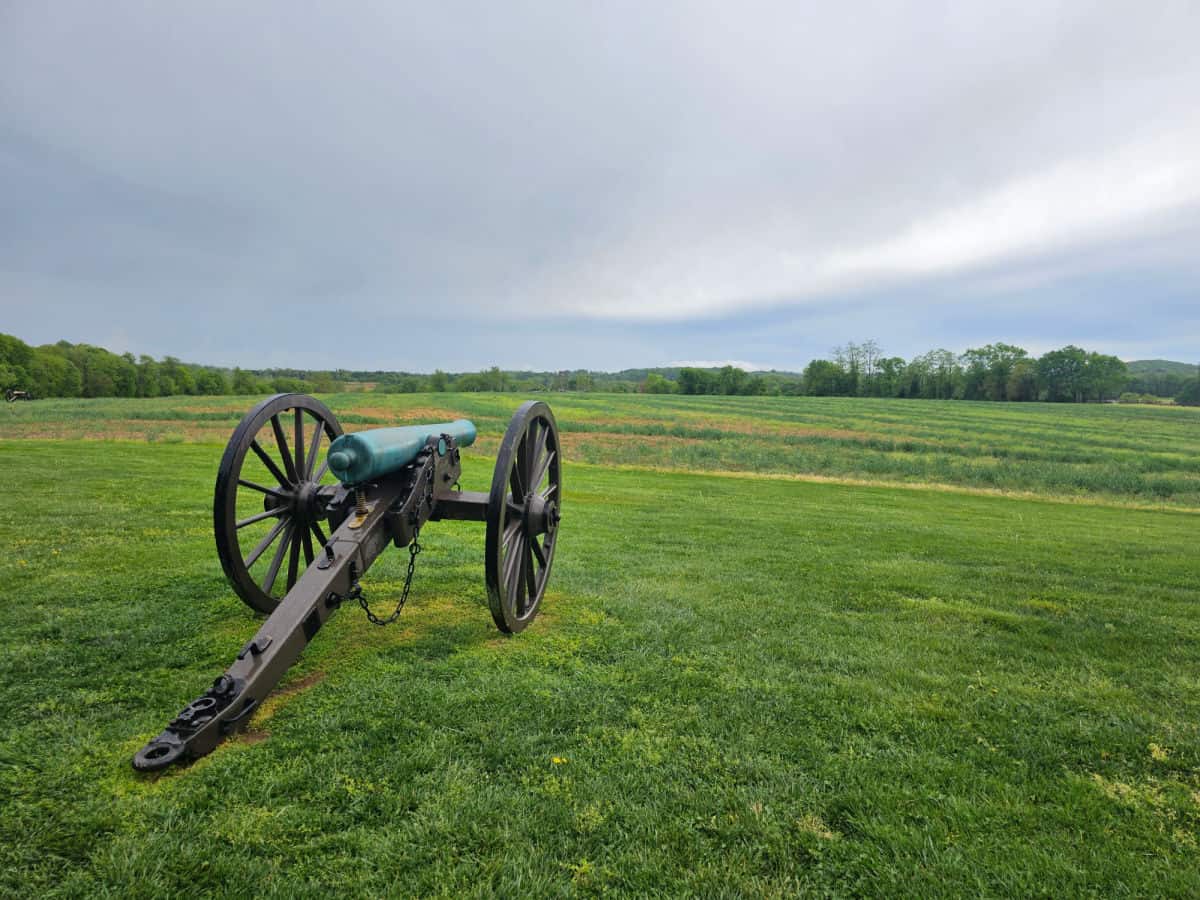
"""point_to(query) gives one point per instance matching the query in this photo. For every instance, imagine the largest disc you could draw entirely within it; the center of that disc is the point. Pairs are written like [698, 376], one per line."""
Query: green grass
[1140, 455]
[738, 686]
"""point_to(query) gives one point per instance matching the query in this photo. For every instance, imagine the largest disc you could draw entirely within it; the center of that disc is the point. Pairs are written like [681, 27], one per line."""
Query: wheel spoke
[318, 533]
[538, 552]
[268, 462]
[515, 475]
[299, 448]
[277, 559]
[294, 559]
[530, 582]
[308, 547]
[550, 489]
[321, 471]
[510, 532]
[543, 442]
[510, 558]
[281, 441]
[512, 570]
[258, 487]
[267, 514]
[533, 451]
[265, 542]
[517, 597]
[541, 470]
[318, 433]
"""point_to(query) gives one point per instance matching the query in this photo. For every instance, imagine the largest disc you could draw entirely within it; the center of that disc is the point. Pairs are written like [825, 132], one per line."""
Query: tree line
[81, 370]
[995, 372]
[998, 371]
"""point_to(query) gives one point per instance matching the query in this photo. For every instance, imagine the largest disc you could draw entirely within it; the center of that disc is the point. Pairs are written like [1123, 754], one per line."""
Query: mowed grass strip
[1140, 454]
[737, 686]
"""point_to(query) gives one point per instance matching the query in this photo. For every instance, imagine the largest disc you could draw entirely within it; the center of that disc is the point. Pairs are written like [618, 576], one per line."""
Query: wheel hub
[541, 515]
[302, 501]
[305, 501]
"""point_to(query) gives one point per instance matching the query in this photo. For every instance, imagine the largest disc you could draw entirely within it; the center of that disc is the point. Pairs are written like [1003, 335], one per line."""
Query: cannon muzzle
[366, 455]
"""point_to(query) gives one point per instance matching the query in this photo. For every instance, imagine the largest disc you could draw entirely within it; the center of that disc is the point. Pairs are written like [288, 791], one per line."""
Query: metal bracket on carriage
[169, 746]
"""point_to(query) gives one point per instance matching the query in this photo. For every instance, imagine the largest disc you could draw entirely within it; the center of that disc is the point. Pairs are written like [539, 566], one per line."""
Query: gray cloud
[560, 185]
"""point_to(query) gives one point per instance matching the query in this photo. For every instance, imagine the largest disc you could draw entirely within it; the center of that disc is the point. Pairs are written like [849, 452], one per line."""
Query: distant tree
[15, 359]
[732, 380]
[1022, 381]
[755, 386]
[823, 378]
[439, 381]
[580, 381]
[175, 377]
[1160, 384]
[245, 383]
[211, 382]
[656, 384]
[147, 377]
[1062, 375]
[695, 381]
[324, 383]
[103, 374]
[890, 378]
[942, 376]
[53, 375]
[986, 371]
[470, 382]
[283, 385]
[13, 377]
[405, 384]
[1190, 395]
[850, 360]
[1104, 376]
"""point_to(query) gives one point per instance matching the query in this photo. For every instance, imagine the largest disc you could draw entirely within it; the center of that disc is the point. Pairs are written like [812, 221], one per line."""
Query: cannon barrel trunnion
[373, 488]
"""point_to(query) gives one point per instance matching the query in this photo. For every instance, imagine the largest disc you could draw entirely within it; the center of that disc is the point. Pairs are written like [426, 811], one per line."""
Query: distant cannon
[12, 395]
[390, 482]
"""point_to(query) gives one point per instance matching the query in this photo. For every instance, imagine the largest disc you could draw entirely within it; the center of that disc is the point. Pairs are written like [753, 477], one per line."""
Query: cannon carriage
[277, 502]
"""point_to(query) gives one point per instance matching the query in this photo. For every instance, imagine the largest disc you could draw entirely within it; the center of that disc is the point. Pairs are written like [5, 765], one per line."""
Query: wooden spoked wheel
[266, 511]
[522, 516]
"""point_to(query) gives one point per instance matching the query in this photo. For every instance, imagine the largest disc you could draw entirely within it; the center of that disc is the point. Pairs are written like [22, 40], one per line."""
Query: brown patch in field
[612, 439]
[893, 484]
[301, 684]
[253, 736]
[751, 428]
[140, 432]
[484, 446]
[801, 431]
[401, 415]
[280, 696]
[837, 434]
[228, 410]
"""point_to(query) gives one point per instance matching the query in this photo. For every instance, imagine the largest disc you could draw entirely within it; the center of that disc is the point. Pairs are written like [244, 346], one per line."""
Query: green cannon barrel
[364, 455]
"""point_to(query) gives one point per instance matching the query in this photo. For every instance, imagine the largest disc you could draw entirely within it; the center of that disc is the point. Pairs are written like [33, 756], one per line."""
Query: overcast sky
[558, 185]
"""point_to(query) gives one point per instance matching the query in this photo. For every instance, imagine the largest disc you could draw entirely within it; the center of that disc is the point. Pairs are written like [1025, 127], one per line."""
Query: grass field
[738, 685]
[1146, 455]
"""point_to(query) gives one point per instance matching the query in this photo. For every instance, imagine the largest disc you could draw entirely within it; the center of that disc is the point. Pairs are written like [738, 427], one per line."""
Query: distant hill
[1162, 367]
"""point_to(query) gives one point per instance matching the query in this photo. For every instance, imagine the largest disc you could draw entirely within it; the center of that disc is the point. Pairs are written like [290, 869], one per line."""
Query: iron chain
[413, 549]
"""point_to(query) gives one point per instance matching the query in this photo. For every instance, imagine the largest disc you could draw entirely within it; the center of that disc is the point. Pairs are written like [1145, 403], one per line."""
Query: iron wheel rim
[300, 425]
[524, 507]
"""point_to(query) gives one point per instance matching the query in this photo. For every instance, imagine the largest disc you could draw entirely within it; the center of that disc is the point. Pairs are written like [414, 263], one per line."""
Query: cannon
[12, 395]
[277, 502]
